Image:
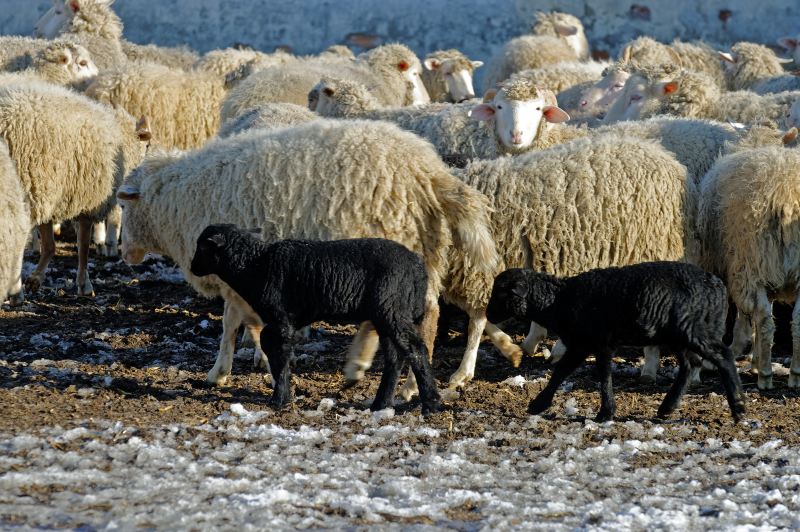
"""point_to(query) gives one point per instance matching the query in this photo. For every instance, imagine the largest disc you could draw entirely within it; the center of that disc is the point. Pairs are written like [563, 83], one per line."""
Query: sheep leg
[607, 404]
[85, 287]
[652, 359]
[113, 231]
[277, 340]
[361, 353]
[466, 371]
[678, 388]
[765, 334]
[47, 250]
[563, 369]
[260, 360]
[231, 320]
[722, 357]
[794, 368]
[17, 293]
[407, 342]
[384, 398]
[511, 351]
[428, 329]
[742, 343]
[536, 334]
[99, 236]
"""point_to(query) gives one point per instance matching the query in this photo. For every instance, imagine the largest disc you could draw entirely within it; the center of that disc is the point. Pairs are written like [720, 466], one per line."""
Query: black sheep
[292, 283]
[669, 304]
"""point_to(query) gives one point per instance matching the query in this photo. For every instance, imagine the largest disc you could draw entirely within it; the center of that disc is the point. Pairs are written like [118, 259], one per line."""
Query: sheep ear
[519, 290]
[669, 87]
[482, 112]
[218, 240]
[402, 66]
[554, 114]
[788, 42]
[725, 56]
[129, 193]
[565, 31]
[432, 64]
[790, 136]
[74, 5]
[143, 129]
[489, 95]
[785, 60]
[477, 64]
[626, 54]
[329, 92]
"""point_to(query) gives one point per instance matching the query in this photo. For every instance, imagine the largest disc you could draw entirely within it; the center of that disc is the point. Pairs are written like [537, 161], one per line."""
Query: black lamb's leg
[607, 404]
[571, 360]
[277, 341]
[722, 357]
[391, 374]
[673, 397]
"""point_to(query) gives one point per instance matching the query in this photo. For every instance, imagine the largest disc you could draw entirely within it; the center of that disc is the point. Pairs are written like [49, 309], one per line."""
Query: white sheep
[90, 23]
[186, 105]
[60, 63]
[518, 118]
[562, 76]
[223, 62]
[748, 64]
[448, 76]
[268, 116]
[66, 175]
[180, 57]
[748, 217]
[669, 90]
[15, 224]
[389, 183]
[392, 72]
[791, 45]
[556, 37]
[697, 57]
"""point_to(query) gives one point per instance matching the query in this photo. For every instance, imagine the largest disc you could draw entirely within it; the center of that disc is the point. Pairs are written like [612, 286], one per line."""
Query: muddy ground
[139, 351]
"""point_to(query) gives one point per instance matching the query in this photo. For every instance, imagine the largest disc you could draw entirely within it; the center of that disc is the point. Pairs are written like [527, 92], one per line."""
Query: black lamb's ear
[218, 240]
[519, 290]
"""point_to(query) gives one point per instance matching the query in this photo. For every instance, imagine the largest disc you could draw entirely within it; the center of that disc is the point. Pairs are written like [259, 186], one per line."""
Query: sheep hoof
[514, 355]
[794, 380]
[602, 417]
[765, 382]
[537, 406]
[33, 284]
[111, 251]
[646, 378]
[216, 379]
[738, 410]
[353, 372]
[278, 402]
[17, 299]
[101, 249]
[432, 408]
[380, 405]
[459, 380]
[663, 413]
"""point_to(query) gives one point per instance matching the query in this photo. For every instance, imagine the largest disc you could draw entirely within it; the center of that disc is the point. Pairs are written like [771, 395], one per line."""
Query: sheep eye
[538, 108]
[82, 63]
[499, 106]
[618, 86]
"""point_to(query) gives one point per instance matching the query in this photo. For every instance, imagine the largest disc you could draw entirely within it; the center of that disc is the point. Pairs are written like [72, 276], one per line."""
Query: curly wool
[181, 57]
[292, 82]
[63, 174]
[594, 202]
[547, 23]
[754, 63]
[268, 116]
[15, 224]
[223, 62]
[698, 57]
[563, 76]
[525, 53]
[184, 106]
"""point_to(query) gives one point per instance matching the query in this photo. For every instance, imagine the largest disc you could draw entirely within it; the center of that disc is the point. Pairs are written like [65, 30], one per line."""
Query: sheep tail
[468, 213]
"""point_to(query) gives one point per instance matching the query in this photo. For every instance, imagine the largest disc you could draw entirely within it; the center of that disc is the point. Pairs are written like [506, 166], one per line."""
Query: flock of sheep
[673, 152]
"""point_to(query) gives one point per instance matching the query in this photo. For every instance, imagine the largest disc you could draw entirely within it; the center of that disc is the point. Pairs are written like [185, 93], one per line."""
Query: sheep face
[792, 117]
[134, 225]
[419, 94]
[74, 60]
[509, 297]
[792, 45]
[457, 75]
[47, 27]
[602, 95]
[518, 122]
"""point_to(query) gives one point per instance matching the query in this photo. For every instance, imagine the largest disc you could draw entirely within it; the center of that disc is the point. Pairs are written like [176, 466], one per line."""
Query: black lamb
[674, 305]
[292, 283]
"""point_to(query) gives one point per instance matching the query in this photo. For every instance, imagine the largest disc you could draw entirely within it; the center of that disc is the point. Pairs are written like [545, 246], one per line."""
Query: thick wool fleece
[754, 63]
[65, 174]
[525, 53]
[184, 106]
[15, 224]
[180, 57]
[562, 76]
[268, 116]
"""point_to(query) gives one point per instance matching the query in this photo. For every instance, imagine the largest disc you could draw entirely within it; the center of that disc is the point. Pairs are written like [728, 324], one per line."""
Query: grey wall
[475, 26]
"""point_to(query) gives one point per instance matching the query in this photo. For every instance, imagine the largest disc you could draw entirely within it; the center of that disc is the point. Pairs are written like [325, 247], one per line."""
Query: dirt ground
[139, 351]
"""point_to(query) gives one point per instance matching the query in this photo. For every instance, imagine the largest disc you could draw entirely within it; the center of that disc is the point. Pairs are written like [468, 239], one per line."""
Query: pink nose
[516, 137]
[584, 103]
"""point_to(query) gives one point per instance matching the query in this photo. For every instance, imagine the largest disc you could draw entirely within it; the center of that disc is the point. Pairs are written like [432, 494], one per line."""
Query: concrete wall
[477, 27]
